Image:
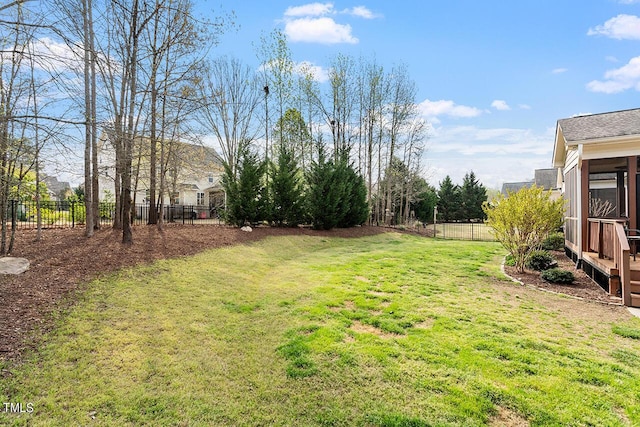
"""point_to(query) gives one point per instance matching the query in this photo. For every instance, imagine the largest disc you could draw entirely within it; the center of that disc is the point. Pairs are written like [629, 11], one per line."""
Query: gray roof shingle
[605, 125]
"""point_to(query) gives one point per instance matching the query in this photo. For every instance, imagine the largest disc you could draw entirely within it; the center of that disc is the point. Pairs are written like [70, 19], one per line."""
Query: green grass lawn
[387, 330]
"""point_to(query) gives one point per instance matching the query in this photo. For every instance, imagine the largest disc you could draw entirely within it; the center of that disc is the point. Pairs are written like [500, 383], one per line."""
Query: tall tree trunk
[95, 186]
[88, 191]
[127, 235]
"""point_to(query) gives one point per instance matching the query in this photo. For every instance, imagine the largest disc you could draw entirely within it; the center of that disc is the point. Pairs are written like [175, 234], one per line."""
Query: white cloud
[362, 12]
[619, 79]
[319, 30]
[628, 1]
[524, 107]
[500, 105]
[620, 27]
[319, 73]
[559, 70]
[611, 58]
[431, 110]
[496, 155]
[311, 9]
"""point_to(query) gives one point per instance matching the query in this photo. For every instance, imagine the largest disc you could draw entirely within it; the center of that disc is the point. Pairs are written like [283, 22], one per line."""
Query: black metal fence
[463, 231]
[476, 231]
[71, 214]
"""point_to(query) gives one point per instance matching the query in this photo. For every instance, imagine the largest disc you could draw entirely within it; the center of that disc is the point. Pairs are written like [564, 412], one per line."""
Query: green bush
[77, 213]
[558, 275]
[510, 261]
[540, 260]
[521, 220]
[49, 216]
[553, 242]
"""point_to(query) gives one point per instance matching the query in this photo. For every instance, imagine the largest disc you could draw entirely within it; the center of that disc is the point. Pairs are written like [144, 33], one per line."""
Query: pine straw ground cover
[384, 330]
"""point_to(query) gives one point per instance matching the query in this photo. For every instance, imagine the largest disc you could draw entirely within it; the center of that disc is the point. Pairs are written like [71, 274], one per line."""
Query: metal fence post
[14, 203]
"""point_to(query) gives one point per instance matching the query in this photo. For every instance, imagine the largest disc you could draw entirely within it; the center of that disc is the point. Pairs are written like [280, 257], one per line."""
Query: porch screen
[571, 195]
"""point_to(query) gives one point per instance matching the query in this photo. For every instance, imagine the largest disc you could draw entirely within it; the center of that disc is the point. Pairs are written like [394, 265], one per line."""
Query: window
[175, 198]
[210, 178]
[200, 199]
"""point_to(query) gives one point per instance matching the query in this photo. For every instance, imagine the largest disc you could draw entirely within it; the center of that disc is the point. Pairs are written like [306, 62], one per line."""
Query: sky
[493, 77]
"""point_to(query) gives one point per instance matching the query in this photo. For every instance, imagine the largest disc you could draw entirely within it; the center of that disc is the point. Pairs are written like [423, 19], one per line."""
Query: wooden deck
[607, 276]
[605, 264]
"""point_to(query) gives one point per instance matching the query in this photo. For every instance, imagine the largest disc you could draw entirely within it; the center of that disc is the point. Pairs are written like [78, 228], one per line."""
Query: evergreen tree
[425, 200]
[337, 194]
[449, 202]
[355, 209]
[245, 195]
[324, 194]
[286, 189]
[473, 195]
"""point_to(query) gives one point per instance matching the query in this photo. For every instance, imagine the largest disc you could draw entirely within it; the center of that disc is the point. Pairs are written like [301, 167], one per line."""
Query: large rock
[247, 229]
[11, 265]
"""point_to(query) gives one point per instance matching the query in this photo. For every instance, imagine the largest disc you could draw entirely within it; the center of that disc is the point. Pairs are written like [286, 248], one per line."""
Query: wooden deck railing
[608, 239]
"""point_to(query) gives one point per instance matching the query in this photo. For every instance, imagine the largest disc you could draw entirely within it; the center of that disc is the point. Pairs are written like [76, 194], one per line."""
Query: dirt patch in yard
[64, 259]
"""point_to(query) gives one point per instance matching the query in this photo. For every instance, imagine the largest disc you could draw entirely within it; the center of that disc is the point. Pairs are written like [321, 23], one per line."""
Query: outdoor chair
[633, 237]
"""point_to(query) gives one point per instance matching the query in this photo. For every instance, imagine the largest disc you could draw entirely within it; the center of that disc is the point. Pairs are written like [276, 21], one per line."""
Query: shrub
[521, 220]
[540, 260]
[553, 242]
[78, 213]
[558, 275]
[49, 216]
[510, 261]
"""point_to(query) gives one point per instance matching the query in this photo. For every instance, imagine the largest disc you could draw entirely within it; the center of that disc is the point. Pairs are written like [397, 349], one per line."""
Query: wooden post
[614, 282]
[632, 169]
[621, 199]
[584, 204]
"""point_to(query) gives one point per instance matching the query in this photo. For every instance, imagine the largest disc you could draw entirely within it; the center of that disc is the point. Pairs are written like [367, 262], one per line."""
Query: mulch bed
[583, 287]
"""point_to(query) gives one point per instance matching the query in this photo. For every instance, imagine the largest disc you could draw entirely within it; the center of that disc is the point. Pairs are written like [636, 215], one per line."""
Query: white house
[193, 174]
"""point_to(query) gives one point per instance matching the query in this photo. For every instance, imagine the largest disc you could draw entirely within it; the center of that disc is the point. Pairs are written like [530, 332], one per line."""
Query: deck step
[635, 274]
[635, 300]
[635, 286]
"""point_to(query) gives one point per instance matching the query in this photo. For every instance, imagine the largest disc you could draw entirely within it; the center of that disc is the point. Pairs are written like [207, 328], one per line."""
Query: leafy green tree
[473, 195]
[449, 201]
[286, 189]
[23, 187]
[425, 200]
[522, 220]
[292, 131]
[246, 199]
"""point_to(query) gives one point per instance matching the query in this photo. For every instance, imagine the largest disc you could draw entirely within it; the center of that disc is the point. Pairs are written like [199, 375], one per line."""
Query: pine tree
[325, 194]
[245, 195]
[286, 189]
[449, 203]
[425, 200]
[473, 195]
[337, 195]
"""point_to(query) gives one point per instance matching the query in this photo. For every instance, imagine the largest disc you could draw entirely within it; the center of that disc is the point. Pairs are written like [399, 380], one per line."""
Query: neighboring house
[545, 178]
[599, 156]
[193, 174]
[58, 190]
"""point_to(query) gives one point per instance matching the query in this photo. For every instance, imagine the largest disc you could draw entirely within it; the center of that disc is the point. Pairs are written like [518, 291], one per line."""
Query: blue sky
[493, 77]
